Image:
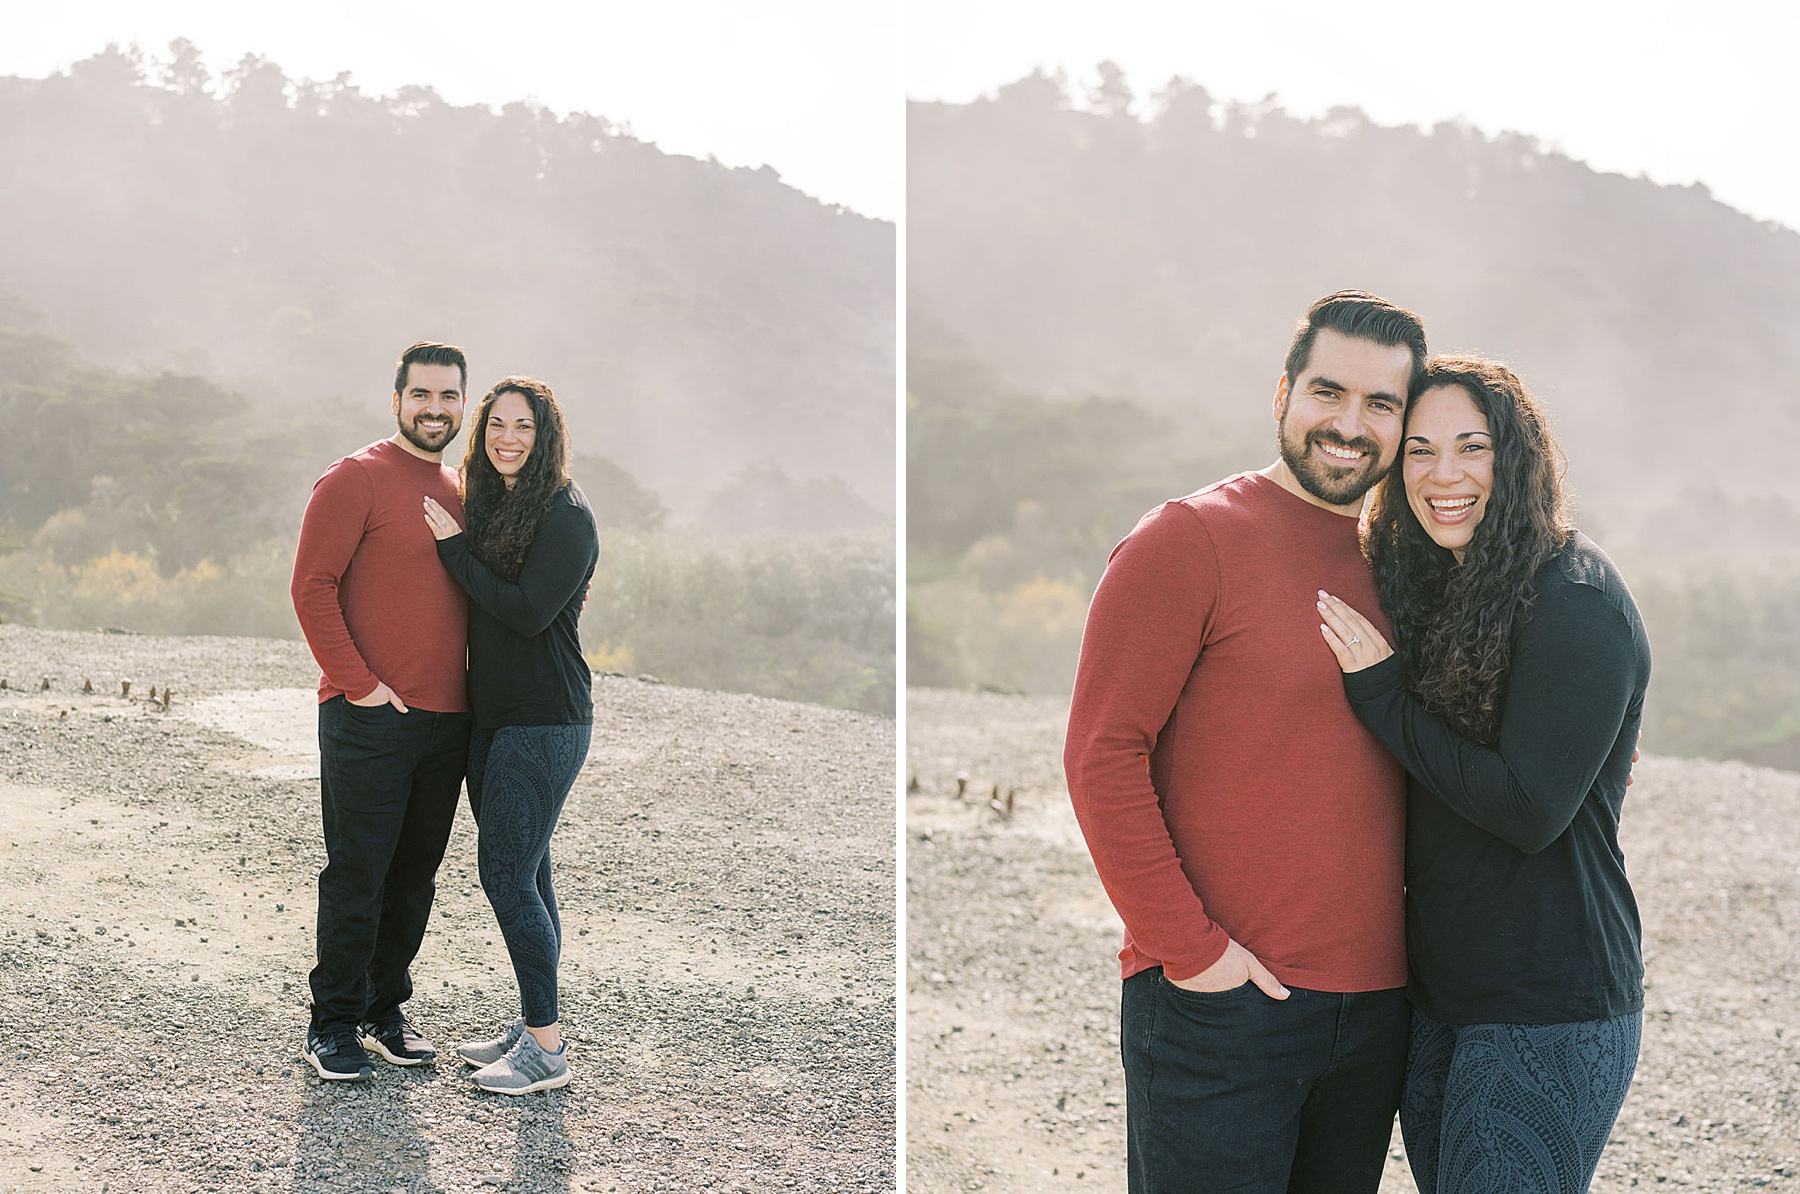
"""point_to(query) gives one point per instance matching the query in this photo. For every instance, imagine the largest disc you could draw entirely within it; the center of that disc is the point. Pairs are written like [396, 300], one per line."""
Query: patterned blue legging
[1513, 1108]
[519, 777]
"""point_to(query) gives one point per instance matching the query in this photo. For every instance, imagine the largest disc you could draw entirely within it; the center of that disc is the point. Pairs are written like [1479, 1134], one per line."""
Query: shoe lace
[523, 1047]
[339, 1039]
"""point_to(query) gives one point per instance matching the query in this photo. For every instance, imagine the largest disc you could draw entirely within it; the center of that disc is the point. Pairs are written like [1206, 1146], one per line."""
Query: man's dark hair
[1360, 316]
[430, 352]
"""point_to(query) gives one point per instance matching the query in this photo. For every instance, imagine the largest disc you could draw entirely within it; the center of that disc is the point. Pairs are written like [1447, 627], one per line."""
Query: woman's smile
[511, 432]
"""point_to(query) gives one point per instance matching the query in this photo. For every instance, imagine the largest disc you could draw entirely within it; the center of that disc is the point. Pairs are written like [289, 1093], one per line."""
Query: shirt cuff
[1378, 679]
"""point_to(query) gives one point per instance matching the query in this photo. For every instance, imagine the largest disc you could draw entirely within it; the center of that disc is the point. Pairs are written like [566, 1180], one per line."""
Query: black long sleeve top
[525, 661]
[1517, 905]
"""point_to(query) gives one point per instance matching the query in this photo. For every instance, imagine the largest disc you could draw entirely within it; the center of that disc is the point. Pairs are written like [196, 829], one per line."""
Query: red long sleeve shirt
[373, 601]
[1223, 784]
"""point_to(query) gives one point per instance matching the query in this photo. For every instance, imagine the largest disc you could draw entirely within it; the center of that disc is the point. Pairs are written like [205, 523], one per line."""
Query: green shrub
[806, 617]
[245, 595]
[1725, 648]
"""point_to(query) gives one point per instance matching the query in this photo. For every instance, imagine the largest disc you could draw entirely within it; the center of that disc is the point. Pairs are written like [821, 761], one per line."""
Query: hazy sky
[810, 87]
[1678, 91]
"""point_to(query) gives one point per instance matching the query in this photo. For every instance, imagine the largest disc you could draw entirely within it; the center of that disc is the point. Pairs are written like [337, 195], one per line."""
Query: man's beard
[429, 441]
[1333, 484]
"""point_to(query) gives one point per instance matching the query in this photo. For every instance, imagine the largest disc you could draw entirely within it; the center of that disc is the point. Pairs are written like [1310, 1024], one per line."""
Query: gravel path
[1013, 1079]
[725, 871]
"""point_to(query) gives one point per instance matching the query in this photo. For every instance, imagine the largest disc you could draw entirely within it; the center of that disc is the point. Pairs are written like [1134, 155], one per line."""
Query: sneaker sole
[373, 1045]
[362, 1075]
[550, 1083]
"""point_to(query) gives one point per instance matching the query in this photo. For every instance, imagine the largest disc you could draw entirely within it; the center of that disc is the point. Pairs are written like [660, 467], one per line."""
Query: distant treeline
[1015, 500]
[168, 503]
[1159, 248]
[288, 237]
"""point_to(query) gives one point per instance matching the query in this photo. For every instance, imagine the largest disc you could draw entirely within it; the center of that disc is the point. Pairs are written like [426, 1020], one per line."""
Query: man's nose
[1350, 423]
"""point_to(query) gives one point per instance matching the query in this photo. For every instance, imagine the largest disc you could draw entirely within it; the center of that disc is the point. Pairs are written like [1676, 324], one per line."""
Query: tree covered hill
[1083, 250]
[289, 237]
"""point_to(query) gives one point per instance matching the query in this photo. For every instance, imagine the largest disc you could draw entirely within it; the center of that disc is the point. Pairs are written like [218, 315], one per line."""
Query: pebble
[649, 1100]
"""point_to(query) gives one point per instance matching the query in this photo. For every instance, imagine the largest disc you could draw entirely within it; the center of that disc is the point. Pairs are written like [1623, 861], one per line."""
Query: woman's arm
[557, 563]
[1572, 680]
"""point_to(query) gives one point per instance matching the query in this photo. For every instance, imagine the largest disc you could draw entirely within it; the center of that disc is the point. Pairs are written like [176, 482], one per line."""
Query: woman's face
[511, 433]
[1447, 458]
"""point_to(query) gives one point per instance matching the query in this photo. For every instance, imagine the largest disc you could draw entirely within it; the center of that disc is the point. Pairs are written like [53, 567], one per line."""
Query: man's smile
[1347, 455]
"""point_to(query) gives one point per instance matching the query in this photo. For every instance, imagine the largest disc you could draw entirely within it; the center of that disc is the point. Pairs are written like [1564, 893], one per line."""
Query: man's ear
[1281, 397]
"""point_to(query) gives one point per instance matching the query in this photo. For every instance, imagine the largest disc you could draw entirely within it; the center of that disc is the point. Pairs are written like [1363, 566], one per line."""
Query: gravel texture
[725, 873]
[1013, 1080]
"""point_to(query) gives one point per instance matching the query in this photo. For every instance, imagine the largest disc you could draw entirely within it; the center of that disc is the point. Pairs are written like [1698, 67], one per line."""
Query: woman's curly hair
[502, 521]
[1456, 622]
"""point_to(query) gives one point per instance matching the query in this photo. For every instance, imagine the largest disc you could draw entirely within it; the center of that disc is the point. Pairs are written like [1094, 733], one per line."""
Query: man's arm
[336, 517]
[1144, 633]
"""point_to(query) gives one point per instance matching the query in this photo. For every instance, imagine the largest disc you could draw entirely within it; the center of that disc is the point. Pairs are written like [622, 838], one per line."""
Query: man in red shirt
[389, 628]
[1246, 826]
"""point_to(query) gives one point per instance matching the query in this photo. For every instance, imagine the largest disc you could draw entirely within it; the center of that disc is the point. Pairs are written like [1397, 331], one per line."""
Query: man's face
[1339, 422]
[429, 410]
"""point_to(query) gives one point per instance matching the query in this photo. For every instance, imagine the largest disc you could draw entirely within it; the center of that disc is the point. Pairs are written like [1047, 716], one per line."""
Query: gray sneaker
[479, 1053]
[525, 1068]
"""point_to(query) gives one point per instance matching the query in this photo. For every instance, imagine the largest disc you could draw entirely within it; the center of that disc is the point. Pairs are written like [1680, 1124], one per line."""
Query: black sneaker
[337, 1056]
[399, 1042]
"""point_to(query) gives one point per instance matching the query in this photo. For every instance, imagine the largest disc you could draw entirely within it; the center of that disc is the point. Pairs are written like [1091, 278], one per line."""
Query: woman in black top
[1514, 705]
[525, 562]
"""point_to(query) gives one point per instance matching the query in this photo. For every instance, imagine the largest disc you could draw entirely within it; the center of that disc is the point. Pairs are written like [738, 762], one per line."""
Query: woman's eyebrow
[1461, 435]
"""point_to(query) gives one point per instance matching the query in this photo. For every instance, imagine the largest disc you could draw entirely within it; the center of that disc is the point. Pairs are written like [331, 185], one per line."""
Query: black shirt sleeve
[1572, 680]
[556, 564]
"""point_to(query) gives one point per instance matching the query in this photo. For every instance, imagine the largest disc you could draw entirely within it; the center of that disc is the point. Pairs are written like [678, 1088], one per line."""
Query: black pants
[1236, 1093]
[388, 783]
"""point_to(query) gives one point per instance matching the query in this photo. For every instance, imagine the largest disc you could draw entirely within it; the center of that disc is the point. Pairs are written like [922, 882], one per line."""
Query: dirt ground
[725, 871]
[1013, 1079]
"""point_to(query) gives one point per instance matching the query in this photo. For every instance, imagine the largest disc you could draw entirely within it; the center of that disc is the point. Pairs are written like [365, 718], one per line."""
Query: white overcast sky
[810, 87]
[1678, 91]
[1675, 90]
